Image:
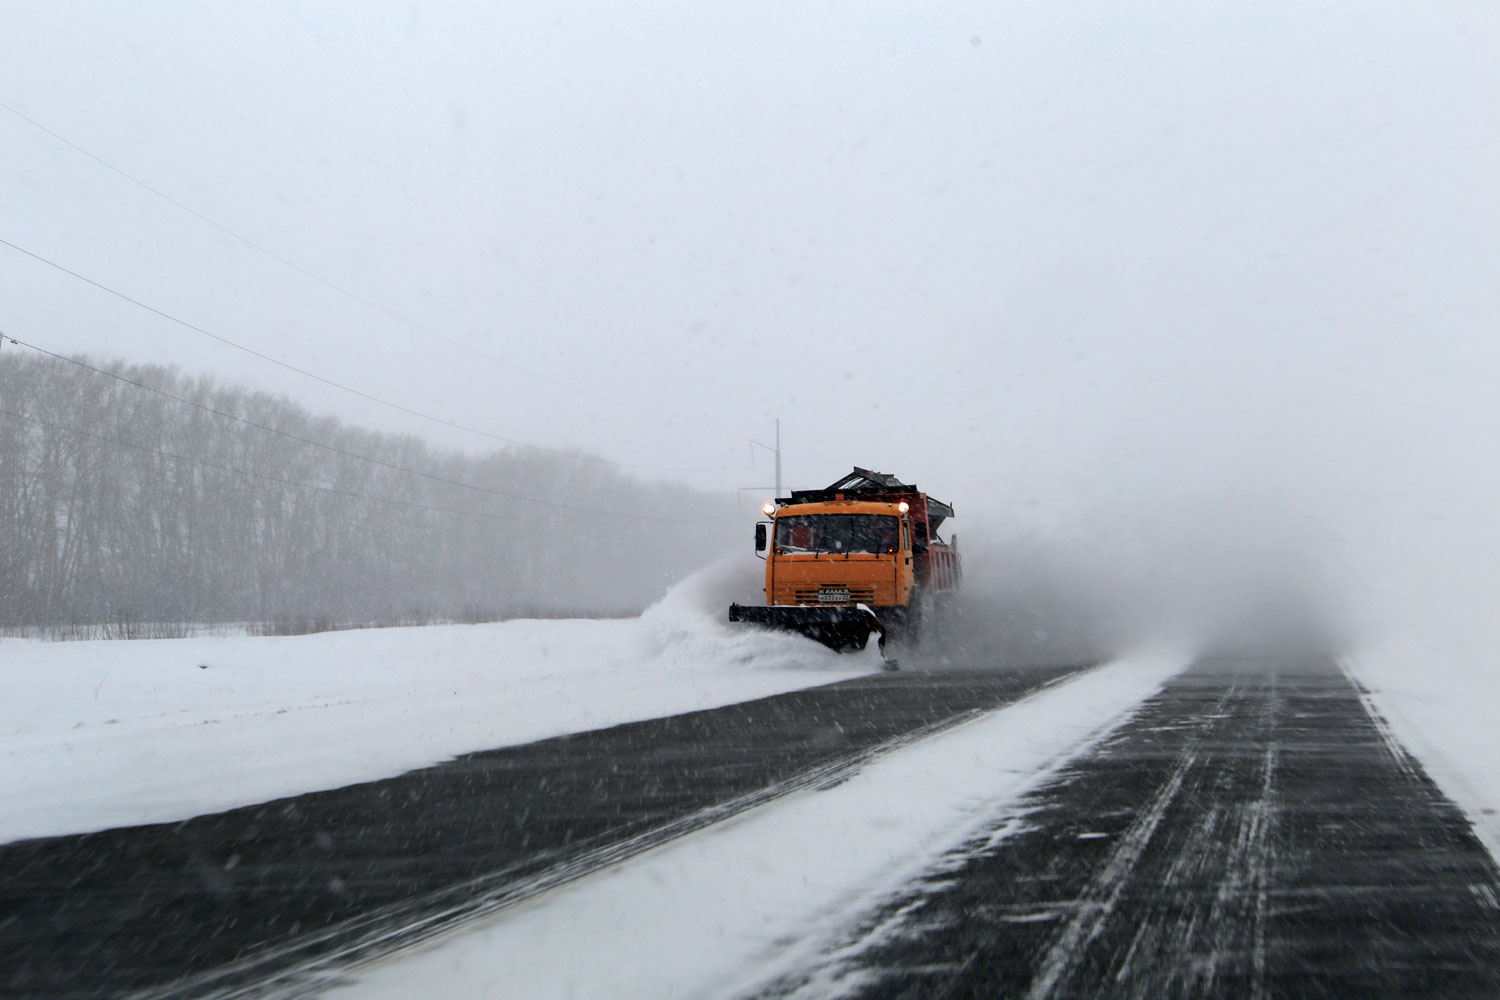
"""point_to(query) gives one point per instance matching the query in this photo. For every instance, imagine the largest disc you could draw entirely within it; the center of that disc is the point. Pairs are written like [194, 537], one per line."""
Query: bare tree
[120, 504]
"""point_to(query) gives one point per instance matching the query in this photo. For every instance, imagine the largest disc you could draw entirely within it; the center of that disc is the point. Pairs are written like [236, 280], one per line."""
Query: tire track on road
[1098, 899]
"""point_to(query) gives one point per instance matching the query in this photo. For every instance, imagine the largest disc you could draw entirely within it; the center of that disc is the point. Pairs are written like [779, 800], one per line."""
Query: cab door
[905, 574]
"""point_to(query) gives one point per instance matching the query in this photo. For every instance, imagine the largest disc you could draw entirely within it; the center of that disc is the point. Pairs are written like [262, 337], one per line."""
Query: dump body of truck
[860, 556]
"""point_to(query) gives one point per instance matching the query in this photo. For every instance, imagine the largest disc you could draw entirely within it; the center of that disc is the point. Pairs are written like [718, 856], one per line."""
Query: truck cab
[840, 552]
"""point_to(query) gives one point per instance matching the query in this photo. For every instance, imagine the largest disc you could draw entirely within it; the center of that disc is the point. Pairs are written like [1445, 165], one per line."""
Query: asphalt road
[1252, 832]
[267, 900]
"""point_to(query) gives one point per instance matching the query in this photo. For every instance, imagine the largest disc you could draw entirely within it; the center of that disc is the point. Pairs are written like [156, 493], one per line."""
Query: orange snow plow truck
[862, 556]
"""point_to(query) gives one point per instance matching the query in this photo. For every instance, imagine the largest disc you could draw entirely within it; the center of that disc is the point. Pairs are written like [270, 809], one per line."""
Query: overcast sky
[1085, 267]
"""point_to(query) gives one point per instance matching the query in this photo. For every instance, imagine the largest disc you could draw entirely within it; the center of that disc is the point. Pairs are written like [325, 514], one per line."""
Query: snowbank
[101, 734]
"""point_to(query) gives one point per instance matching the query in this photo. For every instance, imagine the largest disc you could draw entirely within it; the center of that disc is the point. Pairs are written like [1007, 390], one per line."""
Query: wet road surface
[269, 899]
[1251, 832]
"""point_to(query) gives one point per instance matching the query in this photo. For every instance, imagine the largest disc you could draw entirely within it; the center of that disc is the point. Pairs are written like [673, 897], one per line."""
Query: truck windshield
[836, 533]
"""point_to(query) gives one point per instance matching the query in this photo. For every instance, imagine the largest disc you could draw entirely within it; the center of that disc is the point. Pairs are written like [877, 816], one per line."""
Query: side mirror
[760, 537]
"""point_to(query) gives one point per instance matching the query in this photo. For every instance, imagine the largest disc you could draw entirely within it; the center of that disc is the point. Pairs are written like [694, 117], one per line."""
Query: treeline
[120, 505]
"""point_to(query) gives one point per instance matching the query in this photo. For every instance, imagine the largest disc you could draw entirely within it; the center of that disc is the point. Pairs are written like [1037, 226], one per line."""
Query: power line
[323, 379]
[294, 265]
[335, 286]
[328, 447]
[246, 473]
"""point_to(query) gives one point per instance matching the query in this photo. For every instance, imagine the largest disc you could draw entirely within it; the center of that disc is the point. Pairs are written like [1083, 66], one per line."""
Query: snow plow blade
[841, 628]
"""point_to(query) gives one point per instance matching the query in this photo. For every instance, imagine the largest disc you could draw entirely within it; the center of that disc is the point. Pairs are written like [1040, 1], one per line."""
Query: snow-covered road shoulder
[734, 906]
[1438, 704]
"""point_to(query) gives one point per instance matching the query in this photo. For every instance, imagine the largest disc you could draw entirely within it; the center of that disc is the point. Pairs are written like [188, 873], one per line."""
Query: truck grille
[857, 595]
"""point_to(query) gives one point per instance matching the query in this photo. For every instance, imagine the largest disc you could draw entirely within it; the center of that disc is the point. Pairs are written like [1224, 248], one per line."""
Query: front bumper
[839, 627]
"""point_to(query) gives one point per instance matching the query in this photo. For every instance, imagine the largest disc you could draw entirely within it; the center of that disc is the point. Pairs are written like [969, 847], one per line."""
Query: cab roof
[841, 507]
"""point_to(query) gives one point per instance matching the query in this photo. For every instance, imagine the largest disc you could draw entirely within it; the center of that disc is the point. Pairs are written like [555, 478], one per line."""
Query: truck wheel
[919, 619]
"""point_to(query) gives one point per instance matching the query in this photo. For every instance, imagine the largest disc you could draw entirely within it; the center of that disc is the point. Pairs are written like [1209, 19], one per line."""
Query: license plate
[834, 596]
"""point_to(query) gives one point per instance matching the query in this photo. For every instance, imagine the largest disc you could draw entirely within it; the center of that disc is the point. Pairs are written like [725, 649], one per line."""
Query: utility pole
[777, 451]
[778, 456]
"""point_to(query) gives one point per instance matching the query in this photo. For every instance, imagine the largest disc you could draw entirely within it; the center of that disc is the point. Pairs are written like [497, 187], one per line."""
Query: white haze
[1189, 308]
